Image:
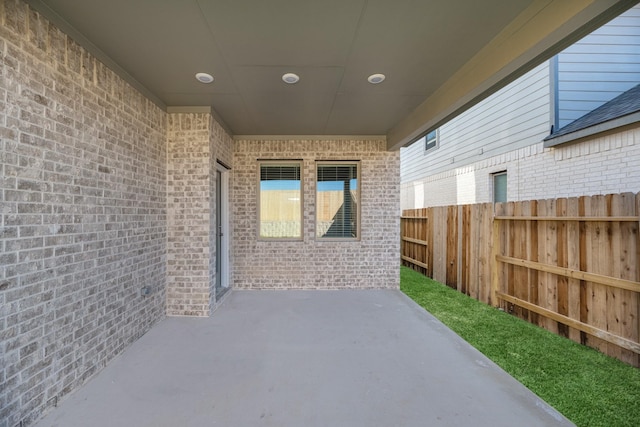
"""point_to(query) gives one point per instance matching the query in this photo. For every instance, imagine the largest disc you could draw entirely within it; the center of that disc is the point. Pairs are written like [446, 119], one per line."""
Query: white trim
[630, 119]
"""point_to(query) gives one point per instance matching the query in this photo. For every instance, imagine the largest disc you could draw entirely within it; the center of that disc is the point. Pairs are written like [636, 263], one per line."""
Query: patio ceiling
[439, 57]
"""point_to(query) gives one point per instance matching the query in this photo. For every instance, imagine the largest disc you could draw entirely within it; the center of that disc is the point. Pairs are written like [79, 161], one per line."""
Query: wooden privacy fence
[570, 265]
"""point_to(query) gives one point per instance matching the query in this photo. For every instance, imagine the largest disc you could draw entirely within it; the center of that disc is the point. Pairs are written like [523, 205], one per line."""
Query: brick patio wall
[195, 143]
[82, 214]
[371, 262]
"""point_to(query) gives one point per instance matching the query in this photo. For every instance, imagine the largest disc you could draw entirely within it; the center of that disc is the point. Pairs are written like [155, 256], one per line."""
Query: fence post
[495, 279]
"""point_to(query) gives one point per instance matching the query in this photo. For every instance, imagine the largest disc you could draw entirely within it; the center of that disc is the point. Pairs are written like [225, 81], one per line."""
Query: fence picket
[484, 251]
[625, 264]
[562, 253]
[546, 281]
[599, 264]
[466, 256]
[532, 238]
[614, 314]
[452, 247]
[440, 244]
[573, 262]
[520, 277]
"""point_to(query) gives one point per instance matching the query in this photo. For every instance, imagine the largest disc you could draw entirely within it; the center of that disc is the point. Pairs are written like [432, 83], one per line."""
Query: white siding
[514, 117]
[599, 67]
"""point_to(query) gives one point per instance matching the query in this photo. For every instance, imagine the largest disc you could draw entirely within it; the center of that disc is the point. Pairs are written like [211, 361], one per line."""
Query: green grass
[586, 386]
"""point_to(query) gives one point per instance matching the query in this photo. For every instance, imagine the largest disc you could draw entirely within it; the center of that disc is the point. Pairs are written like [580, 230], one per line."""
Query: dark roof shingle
[622, 105]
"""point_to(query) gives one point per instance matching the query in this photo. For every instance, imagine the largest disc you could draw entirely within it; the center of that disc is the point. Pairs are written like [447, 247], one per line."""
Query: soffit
[332, 44]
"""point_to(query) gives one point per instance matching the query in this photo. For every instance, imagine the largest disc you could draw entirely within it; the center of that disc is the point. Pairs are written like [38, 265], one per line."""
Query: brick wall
[605, 164]
[371, 262]
[82, 214]
[195, 143]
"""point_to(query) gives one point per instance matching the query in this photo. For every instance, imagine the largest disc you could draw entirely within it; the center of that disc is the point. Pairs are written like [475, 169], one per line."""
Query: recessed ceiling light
[290, 78]
[374, 79]
[204, 77]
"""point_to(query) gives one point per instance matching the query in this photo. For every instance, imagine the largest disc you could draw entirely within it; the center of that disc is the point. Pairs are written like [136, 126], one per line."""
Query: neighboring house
[569, 127]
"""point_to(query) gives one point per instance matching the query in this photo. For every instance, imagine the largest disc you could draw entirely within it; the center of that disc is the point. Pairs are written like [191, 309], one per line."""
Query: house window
[280, 200]
[500, 187]
[431, 140]
[337, 200]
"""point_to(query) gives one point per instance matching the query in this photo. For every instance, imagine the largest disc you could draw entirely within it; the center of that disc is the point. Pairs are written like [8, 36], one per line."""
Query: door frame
[223, 256]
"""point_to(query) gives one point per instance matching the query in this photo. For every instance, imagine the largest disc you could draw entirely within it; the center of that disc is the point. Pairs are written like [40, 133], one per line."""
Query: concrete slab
[304, 358]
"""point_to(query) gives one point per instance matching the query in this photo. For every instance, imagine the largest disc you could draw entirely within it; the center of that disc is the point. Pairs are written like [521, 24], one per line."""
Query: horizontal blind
[337, 172]
[280, 173]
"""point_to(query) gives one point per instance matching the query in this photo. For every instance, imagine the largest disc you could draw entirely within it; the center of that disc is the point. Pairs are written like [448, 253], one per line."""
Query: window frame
[358, 236]
[433, 143]
[282, 162]
[494, 175]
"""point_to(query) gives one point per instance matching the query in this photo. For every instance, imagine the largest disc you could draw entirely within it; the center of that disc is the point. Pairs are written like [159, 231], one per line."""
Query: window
[280, 200]
[337, 200]
[431, 140]
[500, 187]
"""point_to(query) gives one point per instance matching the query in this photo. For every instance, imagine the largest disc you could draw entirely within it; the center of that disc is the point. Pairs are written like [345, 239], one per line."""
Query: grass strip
[586, 386]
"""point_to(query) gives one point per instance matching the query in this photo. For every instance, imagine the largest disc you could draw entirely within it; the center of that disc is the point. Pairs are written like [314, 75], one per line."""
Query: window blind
[279, 173]
[337, 172]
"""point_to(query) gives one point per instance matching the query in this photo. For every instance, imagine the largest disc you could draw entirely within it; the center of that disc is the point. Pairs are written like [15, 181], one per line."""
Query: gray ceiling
[248, 44]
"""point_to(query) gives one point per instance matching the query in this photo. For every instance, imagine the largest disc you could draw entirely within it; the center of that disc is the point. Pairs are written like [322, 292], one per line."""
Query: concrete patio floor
[303, 358]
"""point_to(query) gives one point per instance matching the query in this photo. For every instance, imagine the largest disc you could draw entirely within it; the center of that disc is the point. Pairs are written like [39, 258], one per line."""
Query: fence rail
[570, 265]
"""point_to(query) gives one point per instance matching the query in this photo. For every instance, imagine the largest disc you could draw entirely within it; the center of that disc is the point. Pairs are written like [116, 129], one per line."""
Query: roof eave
[629, 119]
